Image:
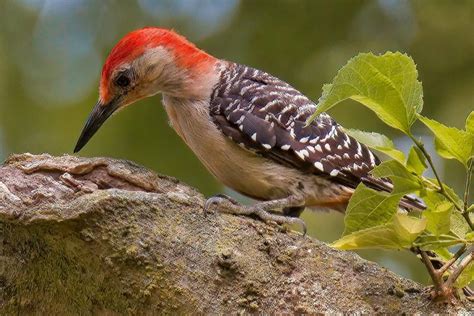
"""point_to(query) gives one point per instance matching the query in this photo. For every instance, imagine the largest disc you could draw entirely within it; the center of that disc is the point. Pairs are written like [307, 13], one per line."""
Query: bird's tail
[408, 202]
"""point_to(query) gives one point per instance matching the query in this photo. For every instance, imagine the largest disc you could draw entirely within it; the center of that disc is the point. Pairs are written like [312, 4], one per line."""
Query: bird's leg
[261, 209]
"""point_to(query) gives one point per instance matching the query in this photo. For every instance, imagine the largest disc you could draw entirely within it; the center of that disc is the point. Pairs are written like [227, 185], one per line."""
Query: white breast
[232, 165]
[240, 169]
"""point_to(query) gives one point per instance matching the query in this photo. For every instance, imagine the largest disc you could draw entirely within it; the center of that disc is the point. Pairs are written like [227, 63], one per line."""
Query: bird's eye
[122, 81]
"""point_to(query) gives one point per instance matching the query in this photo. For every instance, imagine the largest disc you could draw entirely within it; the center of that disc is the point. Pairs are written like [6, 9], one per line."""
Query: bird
[247, 127]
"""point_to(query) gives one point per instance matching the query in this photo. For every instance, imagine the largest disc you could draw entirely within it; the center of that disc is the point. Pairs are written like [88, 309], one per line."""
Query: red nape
[136, 42]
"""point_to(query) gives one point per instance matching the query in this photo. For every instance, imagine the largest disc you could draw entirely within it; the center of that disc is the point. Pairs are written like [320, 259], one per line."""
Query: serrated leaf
[416, 162]
[470, 123]
[409, 227]
[326, 88]
[399, 233]
[378, 142]
[470, 130]
[386, 84]
[403, 181]
[450, 142]
[438, 219]
[369, 208]
[458, 224]
[466, 276]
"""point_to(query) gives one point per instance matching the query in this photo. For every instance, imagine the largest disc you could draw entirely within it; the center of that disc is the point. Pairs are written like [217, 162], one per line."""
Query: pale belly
[238, 168]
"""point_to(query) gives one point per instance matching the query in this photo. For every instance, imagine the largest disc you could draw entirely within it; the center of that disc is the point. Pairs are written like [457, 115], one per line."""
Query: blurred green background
[51, 53]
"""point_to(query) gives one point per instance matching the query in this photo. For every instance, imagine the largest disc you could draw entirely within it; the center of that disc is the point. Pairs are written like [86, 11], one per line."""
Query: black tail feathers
[408, 202]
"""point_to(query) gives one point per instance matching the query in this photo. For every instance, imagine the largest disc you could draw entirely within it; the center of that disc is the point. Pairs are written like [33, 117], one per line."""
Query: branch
[451, 261]
[460, 268]
[103, 236]
[435, 277]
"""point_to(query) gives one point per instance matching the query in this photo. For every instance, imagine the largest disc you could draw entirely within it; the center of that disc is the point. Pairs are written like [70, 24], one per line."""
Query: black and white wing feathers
[268, 116]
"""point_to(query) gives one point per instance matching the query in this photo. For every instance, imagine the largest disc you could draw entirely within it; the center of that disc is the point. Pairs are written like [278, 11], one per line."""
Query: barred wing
[267, 116]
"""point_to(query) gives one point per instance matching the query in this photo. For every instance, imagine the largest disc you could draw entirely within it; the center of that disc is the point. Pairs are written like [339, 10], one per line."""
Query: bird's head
[143, 63]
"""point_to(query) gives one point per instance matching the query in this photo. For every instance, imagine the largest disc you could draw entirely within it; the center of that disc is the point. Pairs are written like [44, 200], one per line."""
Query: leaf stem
[467, 217]
[446, 195]
[465, 212]
[430, 162]
[468, 184]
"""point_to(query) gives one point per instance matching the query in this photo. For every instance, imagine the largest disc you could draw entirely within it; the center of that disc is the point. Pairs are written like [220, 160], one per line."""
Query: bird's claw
[282, 219]
[217, 199]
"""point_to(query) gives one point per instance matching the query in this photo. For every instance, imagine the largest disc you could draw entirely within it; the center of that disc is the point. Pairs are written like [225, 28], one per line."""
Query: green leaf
[470, 129]
[449, 191]
[470, 208]
[438, 213]
[450, 142]
[470, 236]
[470, 123]
[403, 181]
[386, 84]
[369, 208]
[408, 227]
[438, 219]
[383, 236]
[399, 233]
[433, 199]
[378, 142]
[416, 162]
[443, 253]
[431, 242]
[458, 225]
[466, 276]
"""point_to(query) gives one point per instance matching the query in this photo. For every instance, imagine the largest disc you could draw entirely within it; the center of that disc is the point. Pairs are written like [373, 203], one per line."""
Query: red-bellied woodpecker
[246, 126]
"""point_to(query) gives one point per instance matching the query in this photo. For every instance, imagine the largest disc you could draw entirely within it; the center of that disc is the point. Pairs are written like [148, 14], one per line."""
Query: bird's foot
[218, 199]
[262, 210]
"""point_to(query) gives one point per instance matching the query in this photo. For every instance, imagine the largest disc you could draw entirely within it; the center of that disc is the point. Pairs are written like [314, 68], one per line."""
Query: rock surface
[104, 236]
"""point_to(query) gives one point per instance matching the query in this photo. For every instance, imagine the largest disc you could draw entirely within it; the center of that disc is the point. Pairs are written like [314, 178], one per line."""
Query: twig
[430, 162]
[450, 262]
[460, 268]
[449, 198]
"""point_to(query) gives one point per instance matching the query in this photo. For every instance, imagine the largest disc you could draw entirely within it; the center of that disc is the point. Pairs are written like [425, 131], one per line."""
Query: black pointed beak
[97, 117]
